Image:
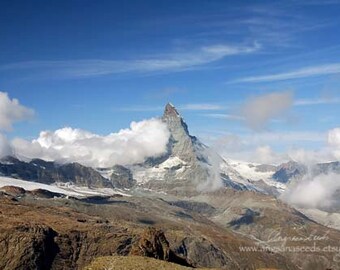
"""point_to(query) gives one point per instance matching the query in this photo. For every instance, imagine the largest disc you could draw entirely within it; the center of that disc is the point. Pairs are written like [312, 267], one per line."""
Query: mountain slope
[46, 172]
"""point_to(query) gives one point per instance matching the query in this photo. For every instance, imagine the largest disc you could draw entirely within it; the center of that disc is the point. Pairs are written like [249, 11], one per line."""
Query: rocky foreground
[39, 230]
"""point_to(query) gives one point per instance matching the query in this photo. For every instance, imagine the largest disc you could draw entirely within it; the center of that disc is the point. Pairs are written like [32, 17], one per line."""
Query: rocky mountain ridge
[38, 170]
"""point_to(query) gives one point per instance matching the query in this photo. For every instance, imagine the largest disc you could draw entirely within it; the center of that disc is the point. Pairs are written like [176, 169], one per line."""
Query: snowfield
[248, 171]
[143, 175]
[63, 188]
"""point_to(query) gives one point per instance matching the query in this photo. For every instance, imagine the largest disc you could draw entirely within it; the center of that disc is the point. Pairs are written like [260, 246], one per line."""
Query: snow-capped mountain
[190, 166]
[184, 167]
[187, 166]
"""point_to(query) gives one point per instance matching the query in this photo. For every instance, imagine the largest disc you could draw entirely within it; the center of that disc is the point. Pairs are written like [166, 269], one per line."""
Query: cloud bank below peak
[147, 138]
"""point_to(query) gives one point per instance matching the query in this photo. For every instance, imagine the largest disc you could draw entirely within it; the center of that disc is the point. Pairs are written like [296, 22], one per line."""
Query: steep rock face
[152, 243]
[27, 247]
[202, 252]
[81, 175]
[46, 172]
[122, 177]
[38, 237]
[288, 171]
[181, 143]
[295, 171]
[184, 168]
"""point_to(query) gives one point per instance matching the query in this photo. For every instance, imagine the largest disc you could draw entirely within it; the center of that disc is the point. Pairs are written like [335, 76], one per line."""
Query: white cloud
[5, 148]
[200, 107]
[259, 147]
[143, 139]
[12, 111]
[311, 156]
[224, 116]
[313, 192]
[165, 63]
[265, 155]
[258, 111]
[334, 137]
[306, 72]
[247, 148]
[319, 101]
[334, 142]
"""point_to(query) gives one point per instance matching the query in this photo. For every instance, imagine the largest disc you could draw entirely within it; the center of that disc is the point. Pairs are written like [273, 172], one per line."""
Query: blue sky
[98, 65]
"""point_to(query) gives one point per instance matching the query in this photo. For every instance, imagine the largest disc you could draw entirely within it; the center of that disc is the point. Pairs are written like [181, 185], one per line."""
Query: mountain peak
[174, 120]
[170, 110]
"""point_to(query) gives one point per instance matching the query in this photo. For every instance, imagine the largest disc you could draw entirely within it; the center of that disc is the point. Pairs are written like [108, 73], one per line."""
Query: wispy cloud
[161, 63]
[306, 72]
[201, 107]
[224, 116]
[318, 101]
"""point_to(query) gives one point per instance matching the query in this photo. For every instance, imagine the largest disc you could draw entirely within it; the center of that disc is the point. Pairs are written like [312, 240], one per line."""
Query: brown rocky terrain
[59, 233]
[135, 262]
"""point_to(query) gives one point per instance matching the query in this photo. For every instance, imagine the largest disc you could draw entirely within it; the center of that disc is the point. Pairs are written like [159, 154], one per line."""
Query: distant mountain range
[187, 166]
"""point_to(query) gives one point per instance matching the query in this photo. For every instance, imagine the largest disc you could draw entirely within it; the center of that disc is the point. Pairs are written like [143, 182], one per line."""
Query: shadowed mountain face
[41, 171]
[292, 170]
[122, 177]
[287, 171]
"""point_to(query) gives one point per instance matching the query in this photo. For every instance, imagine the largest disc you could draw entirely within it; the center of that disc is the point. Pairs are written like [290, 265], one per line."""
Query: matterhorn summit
[181, 143]
[185, 167]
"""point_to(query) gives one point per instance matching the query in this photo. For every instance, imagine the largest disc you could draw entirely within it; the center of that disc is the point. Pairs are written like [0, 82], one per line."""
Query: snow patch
[63, 188]
[143, 175]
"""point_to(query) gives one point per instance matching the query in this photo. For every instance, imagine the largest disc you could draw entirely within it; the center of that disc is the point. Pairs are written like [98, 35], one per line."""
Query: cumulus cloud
[334, 137]
[265, 155]
[12, 111]
[314, 192]
[143, 139]
[5, 147]
[334, 141]
[328, 153]
[249, 148]
[258, 111]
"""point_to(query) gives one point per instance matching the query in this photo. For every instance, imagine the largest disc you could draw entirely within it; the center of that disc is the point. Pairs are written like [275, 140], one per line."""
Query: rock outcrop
[122, 177]
[152, 243]
[288, 171]
[46, 172]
